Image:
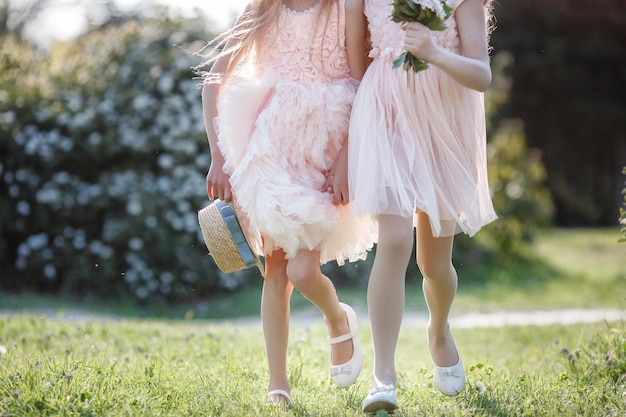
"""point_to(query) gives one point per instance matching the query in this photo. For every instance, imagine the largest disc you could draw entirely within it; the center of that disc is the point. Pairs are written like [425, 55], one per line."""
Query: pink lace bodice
[388, 38]
[304, 48]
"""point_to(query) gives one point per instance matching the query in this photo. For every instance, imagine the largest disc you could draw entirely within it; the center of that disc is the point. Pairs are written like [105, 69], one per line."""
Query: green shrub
[517, 180]
[103, 158]
[622, 212]
[103, 163]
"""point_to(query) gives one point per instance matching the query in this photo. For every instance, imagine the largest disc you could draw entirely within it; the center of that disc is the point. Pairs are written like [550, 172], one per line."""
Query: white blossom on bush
[104, 164]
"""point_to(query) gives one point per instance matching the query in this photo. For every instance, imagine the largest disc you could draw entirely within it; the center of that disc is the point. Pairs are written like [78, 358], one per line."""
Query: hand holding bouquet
[430, 13]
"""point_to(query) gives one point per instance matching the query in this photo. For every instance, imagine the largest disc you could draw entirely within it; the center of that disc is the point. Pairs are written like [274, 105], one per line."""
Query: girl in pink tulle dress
[417, 159]
[277, 104]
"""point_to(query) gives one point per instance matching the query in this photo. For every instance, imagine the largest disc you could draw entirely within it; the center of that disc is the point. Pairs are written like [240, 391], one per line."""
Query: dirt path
[311, 316]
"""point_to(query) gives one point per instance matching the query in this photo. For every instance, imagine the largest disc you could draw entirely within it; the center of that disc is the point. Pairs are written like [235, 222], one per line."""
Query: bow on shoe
[449, 372]
[385, 389]
[340, 369]
[381, 398]
[449, 380]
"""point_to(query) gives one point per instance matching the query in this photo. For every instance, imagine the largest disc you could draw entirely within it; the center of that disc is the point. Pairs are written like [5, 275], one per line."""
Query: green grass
[229, 305]
[592, 253]
[163, 360]
[194, 368]
[565, 268]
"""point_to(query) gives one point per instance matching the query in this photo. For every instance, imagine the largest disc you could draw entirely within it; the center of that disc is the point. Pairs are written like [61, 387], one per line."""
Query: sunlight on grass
[593, 254]
[569, 268]
[94, 358]
[139, 368]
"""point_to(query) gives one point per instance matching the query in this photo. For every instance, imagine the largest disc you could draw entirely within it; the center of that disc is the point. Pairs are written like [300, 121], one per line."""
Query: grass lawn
[52, 367]
[157, 361]
[567, 268]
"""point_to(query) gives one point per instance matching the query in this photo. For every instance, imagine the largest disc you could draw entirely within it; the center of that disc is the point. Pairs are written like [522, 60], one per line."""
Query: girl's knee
[301, 272]
[401, 241]
[436, 270]
[397, 240]
[304, 268]
[277, 279]
[395, 234]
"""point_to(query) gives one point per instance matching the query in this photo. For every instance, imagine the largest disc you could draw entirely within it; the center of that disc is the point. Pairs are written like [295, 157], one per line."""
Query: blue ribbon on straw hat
[225, 239]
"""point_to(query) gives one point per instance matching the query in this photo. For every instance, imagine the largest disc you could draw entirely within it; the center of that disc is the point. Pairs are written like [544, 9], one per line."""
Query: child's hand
[338, 191]
[418, 41]
[217, 181]
[337, 180]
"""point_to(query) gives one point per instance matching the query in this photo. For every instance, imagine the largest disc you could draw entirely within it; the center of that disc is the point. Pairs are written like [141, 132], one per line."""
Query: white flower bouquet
[430, 13]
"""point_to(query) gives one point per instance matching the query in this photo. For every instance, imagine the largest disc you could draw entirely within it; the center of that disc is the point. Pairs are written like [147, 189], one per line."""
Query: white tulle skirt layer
[278, 139]
[418, 144]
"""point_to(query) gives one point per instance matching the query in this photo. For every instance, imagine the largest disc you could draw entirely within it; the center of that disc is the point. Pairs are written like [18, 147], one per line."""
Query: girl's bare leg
[306, 276]
[434, 257]
[277, 292]
[385, 293]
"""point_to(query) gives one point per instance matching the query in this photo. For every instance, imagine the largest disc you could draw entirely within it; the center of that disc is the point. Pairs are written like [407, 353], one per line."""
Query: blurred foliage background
[103, 153]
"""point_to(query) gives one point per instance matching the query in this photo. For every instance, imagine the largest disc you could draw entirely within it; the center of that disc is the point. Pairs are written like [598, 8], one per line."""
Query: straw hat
[225, 239]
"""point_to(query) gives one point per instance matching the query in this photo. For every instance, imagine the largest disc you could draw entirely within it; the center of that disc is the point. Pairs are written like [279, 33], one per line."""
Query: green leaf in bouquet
[397, 9]
[394, 14]
[408, 61]
[433, 23]
[414, 6]
[399, 60]
[436, 26]
[410, 11]
[399, 17]
[416, 64]
[402, 11]
[407, 11]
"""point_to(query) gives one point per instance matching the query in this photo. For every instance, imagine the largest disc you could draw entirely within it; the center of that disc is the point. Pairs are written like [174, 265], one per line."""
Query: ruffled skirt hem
[419, 142]
[278, 139]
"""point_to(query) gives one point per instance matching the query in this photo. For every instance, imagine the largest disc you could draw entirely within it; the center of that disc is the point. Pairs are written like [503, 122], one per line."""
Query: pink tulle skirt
[419, 145]
[278, 138]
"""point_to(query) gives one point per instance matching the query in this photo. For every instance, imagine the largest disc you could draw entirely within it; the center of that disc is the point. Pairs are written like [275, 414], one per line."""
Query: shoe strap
[350, 335]
[280, 392]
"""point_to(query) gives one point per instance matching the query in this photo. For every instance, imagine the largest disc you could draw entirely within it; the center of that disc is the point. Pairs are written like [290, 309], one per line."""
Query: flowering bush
[103, 157]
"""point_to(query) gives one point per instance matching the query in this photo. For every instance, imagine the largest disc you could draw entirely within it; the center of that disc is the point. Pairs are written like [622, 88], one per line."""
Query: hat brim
[225, 239]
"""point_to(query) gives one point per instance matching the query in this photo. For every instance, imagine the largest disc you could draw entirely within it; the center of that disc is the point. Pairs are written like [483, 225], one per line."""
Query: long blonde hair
[490, 18]
[247, 33]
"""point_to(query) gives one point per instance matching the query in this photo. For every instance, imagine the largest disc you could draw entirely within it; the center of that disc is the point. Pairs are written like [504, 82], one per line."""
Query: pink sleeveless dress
[282, 120]
[418, 144]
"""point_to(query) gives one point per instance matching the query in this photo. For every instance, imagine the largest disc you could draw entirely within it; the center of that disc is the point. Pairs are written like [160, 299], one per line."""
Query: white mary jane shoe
[449, 380]
[273, 397]
[346, 373]
[381, 398]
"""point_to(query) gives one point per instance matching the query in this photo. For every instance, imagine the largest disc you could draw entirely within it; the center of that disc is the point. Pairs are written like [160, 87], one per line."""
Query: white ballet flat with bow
[381, 398]
[449, 380]
[346, 373]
